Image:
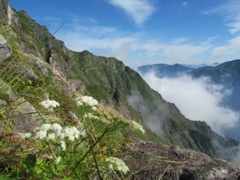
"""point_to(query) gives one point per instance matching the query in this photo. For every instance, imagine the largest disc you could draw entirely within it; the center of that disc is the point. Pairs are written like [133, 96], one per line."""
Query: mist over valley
[207, 93]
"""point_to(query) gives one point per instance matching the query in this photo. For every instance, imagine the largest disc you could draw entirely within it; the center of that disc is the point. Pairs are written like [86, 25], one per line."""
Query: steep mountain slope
[114, 84]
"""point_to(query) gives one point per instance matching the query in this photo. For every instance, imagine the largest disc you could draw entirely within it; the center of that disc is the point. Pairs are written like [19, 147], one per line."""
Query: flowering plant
[49, 104]
[87, 100]
[116, 164]
[136, 126]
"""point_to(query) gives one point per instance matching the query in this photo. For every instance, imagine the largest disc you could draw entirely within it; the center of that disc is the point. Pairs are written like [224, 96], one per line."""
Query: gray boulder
[40, 66]
[5, 49]
[23, 115]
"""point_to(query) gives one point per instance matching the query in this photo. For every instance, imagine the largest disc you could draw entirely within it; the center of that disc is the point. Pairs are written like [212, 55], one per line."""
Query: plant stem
[90, 149]
[95, 160]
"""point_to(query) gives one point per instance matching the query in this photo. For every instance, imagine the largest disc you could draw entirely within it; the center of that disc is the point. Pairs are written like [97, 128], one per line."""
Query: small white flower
[57, 128]
[71, 133]
[117, 164]
[71, 138]
[57, 160]
[79, 103]
[46, 127]
[62, 135]
[49, 104]
[41, 134]
[63, 145]
[94, 108]
[95, 102]
[137, 126]
[88, 100]
[51, 136]
[76, 133]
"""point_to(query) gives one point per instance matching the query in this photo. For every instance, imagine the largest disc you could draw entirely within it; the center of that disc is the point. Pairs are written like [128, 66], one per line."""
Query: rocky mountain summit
[66, 114]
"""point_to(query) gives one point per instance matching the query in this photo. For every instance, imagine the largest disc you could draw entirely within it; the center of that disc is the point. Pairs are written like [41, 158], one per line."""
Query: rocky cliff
[36, 66]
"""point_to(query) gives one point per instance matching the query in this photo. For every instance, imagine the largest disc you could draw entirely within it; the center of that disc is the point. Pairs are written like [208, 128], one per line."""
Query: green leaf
[4, 178]
[4, 97]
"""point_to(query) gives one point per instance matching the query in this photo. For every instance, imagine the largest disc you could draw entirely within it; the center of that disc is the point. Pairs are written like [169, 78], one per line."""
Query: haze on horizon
[141, 32]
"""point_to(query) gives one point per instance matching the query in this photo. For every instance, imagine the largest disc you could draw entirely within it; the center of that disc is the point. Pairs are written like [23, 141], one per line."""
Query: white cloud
[229, 51]
[197, 99]
[231, 13]
[122, 52]
[183, 52]
[93, 38]
[177, 50]
[139, 10]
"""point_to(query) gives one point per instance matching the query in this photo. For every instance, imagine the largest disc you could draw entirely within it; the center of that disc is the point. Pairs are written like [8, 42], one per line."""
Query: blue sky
[140, 32]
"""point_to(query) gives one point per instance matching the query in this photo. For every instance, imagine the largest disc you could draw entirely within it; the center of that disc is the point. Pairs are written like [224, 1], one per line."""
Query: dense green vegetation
[31, 155]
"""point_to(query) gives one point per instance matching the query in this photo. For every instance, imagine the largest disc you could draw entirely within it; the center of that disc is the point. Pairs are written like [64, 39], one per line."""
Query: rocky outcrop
[23, 115]
[5, 49]
[39, 66]
[151, 161]
[3, 11]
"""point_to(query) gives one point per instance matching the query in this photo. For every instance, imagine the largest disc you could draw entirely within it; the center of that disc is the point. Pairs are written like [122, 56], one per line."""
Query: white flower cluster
[57, 160]
[90, 116]
[116, 164]
[87, 100]
[137, 126]
[49, 104]
[54, 132]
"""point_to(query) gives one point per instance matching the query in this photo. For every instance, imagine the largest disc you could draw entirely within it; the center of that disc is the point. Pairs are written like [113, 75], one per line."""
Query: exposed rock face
[40, 66]
[3, 11]
[24, 115]
[5, 49]
[150, 161]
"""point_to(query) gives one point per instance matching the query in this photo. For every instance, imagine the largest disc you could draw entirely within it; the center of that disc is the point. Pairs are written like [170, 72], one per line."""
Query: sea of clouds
[197, 99]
